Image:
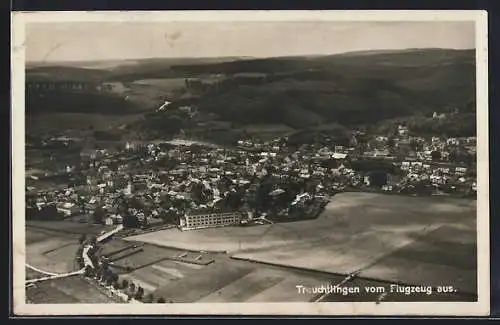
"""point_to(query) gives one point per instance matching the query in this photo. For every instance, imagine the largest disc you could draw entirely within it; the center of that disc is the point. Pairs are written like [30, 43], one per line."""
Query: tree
[79, 258]
[131, 290]
[139, 294]
[116, 281]
[436, 155]
[148, 299]
[98, 215]
[109, 278]
[82, 239]
[234, 200]
[161, 300]
[88, 271]
[49, 212]
[197, 193]
[423, 188]
[378, 178]
[145, 222]
[415, 145]
[101, 274]
[453, 155]
[465, 157]
[130, 221]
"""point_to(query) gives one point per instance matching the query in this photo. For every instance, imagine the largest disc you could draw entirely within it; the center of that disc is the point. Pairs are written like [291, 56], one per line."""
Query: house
[387, 188]
[108, 221]
[471, 141]
[438, 116]
[380, 152]
[92, 205]
[129, 146]
[129, 189]
[435, 140]
[437, 179]
[67, 209]
[417, 139]
[338, 155]
[412, 155]
[402, 130]
[116, 219]
[88, 153]
[186, 109]
[444, 170]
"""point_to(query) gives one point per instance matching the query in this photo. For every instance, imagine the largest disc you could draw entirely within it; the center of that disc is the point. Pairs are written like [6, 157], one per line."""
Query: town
[236, 179]
[147, 184]
[146, 187]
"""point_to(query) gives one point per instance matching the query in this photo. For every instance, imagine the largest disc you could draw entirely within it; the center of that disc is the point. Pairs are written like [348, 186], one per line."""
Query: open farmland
[67, 228]
[66, 291]
[265, 132]
[54, 252]
[49, 251]
[54, 122]
[148, 93]
[389, 238]
[166, 84]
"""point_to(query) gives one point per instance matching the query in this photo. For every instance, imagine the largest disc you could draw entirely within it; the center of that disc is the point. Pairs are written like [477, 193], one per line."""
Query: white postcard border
[481, 307]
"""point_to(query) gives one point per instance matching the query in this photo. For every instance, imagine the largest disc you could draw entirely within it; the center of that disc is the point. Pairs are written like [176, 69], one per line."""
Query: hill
[347, 89]
[368, 59]
[113, 70]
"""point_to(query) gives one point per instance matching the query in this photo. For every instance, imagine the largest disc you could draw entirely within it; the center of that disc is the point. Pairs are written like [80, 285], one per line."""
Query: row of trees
[107, 277]
[47, 212]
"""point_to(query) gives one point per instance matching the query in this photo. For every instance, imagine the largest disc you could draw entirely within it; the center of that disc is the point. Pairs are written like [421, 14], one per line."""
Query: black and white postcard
[250, 163]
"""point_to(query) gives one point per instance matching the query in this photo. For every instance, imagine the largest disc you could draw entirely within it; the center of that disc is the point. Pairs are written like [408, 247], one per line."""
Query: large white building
[209, 220]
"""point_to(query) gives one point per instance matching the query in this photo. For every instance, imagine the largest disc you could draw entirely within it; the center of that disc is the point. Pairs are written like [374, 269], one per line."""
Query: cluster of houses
[161, 182]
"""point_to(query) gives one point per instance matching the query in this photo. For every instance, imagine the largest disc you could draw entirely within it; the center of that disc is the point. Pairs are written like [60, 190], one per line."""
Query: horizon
[106, 41]
[241, 58]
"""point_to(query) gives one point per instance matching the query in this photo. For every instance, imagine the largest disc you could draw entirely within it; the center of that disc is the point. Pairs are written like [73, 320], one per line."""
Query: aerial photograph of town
[210, 162]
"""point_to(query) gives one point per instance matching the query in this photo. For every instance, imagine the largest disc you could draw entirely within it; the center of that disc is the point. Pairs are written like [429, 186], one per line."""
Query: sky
[89, 41]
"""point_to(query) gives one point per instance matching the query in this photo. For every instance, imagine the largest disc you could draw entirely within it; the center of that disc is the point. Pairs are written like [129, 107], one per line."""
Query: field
[51, 245]
[50, 252]
[57, 122]
[65, 228]
[54, 252]
[148, 93]
[265, 132]
[389, 238]
[66, 291]
[166, 84]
